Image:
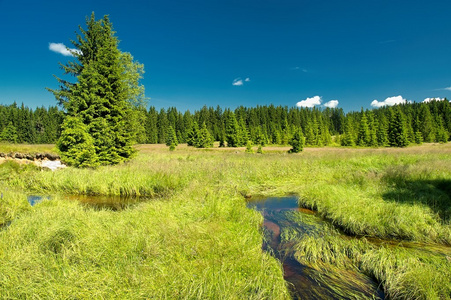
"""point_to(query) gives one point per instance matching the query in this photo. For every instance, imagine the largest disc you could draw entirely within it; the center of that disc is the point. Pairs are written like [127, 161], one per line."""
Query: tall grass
[404, 272]
[27, 148]
[12, 204]
[200, 241]
[160, 249]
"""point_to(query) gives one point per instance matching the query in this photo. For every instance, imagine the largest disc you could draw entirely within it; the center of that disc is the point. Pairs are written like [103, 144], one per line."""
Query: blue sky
[350, 54]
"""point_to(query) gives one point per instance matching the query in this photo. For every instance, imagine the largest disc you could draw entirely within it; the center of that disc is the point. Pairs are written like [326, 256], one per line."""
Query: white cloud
[62, 49]
[431, 99]
[309, 102]
[331, 104]
[448, 88]
[299, 68]
[237, 82]
[390, 101]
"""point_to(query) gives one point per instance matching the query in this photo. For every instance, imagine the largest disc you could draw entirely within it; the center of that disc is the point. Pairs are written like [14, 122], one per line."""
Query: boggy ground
[197, 239]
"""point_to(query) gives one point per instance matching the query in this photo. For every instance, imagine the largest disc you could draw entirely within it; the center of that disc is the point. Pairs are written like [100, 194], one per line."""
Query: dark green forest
[20, 124]
[396, 126]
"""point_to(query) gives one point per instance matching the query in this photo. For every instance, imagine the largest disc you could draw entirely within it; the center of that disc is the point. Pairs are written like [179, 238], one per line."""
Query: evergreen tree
[276, 137]
[76, 145]
[204, 138]
[382, 131]
[105, 94]
[310, 138]
[409, 129]
[188, 123]
[418, 137]
[171, 137]
[232, 130]
[9, 134]
[222, 138]
[397, 131]
[163, 124]
[442, 133]
[243, 135]
[363, 137]
[151, 126]
[445, 108]
[259, 137]
[348, 136]
[427, 123]
[297, 141]
[326, 138]
[249, 147]
[192, 135]
[373, 125]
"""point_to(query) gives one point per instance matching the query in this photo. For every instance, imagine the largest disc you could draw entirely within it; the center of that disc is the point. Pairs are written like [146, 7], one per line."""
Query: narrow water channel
[115, 203]
[284, 224]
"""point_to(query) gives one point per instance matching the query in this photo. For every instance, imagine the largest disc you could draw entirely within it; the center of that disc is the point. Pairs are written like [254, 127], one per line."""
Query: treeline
[20, 124]
[398, 126]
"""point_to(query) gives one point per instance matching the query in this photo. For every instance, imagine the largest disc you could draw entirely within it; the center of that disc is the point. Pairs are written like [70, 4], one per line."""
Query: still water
[114, 203]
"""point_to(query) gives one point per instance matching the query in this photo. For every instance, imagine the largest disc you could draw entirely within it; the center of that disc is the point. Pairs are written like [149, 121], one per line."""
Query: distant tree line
[20, 124]
[396, 126]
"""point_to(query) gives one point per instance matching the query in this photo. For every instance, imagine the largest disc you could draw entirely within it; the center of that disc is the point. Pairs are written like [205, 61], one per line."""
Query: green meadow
[191, 236]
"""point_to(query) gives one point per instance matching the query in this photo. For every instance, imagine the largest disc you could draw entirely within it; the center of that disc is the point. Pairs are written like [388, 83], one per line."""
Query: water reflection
[284, 224]
[114, 203]
[34, 199]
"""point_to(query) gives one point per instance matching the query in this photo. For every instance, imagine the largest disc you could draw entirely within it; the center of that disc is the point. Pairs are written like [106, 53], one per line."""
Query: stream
[285, 224]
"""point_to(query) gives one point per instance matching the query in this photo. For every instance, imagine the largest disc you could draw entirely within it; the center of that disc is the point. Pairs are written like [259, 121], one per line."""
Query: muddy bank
[30, 156]
[44, 160]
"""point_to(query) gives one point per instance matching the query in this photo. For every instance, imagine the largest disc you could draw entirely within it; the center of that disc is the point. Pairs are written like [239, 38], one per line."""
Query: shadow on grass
[435, 193]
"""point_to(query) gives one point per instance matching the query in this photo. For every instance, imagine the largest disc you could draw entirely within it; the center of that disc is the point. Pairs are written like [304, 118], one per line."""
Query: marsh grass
[27, 148]
[404, 273]
[159, 249]
[200, 241]
[12, 204]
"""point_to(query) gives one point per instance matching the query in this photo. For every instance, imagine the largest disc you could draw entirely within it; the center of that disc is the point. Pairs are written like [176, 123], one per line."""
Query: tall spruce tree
[232, 130]
[397, 131]
[364, 135]
[192, 134]
[204, 138]
[427, 123]
[348, 136]
[382, 131]
[171, 137]
[105, 96]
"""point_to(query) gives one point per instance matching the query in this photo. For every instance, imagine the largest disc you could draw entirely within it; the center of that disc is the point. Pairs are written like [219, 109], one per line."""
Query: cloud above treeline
[62, 49]
[316, 100]
[433, 99]
[390, 101]
[239, 82]
[331, 104]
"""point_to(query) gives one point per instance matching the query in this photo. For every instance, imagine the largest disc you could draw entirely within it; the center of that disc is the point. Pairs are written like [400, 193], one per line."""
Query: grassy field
[195, 238]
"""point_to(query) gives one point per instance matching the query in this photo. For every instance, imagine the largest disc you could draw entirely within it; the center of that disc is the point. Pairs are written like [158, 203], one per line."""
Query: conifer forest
[396, 126]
